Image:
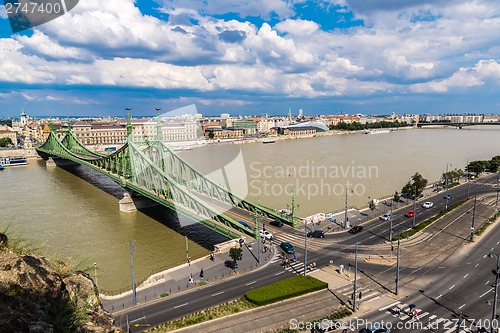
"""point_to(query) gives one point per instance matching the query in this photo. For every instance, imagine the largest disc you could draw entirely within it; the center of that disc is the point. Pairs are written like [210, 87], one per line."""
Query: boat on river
[377, 131]
[13, 161]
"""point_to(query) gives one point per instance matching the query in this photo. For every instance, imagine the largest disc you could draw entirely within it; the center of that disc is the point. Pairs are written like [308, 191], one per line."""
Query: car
[276, 223]
[265, 234]
[448, 196]
[410, 213]
[356, 229]
[316, 233]
[427, 204]
[385, 217]
[243, 223]
[287, 247]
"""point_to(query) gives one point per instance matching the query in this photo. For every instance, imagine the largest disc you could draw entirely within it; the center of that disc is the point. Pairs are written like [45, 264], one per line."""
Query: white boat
[13, 161]
[377, 131]
[268, 141]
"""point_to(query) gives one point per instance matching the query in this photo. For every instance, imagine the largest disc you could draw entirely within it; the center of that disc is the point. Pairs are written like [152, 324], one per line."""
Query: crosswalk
[429, 322]
[296, 267]
[367, 294]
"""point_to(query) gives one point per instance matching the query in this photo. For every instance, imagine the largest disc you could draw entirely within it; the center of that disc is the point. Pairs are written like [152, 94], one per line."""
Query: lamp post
[95, 273]
[305, 247]
[498, 189]
[446, 184]
[473, 217]
[134, 293]
[414, 207]
[494, 313]
[345, 213]
[354, 295]
[390, 230]
[187, 252]
[397, 266]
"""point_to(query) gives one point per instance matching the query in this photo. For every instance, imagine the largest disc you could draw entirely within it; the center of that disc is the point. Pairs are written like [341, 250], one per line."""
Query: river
[73, 212]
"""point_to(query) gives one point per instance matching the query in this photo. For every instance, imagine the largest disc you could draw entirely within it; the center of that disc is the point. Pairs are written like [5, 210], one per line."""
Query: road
[420, 265]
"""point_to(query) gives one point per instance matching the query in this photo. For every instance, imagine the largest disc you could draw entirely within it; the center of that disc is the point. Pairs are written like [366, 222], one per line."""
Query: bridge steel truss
[153, 170]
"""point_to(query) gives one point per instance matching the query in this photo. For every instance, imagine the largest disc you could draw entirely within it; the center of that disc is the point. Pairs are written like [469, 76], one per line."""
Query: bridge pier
[126, 204]
[50, 162]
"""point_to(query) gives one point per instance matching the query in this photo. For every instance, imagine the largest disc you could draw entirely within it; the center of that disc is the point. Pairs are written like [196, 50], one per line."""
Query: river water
[73, 212]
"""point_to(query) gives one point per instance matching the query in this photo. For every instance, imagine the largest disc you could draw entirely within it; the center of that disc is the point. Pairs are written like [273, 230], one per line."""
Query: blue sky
[255, 57]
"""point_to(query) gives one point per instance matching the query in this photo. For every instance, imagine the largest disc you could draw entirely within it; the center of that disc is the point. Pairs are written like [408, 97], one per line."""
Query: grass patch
[220, 311]
[485, 226]
[202, 283]
[163, 295]
[428, 222]
[292, 287]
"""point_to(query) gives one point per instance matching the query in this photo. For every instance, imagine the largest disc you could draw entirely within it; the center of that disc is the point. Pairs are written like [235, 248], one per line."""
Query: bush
[292, 287]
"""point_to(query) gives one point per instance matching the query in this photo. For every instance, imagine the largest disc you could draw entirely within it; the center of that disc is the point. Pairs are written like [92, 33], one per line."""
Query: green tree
[416, 186]
[476, 167]
[372, 205]
[5, 142]
[396, 197]
[236, 254]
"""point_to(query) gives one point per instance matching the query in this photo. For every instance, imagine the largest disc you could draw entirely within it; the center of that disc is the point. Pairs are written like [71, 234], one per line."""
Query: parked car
[356, 229]
[265, 234]
[316, 233]
[449, 196]
[410, 213]
[385, 217]
[287, 247]
[276, 223]
[427, 204]
[243, 223]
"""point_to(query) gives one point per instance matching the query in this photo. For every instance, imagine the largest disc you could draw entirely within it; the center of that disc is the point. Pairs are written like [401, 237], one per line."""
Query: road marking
[460, 308]
[439, 296]
[453, 286]
[251, 283]
[138, 319]
[466, 275]
[498, 243]
[485, 256]
[279, 273]
[487, 282]
[218, 294]
[178, 306]
[492, 249]
[476, 265]
[485, 293]
[389, 306]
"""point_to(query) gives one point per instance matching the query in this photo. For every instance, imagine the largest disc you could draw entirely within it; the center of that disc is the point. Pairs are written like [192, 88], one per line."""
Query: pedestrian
[191, 278]
[189, 261]
[201, 274]
[212, 256]
[415, 314]
[400, 311]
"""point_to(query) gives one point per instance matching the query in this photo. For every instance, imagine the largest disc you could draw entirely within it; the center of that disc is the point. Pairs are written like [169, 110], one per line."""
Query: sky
[255, 57]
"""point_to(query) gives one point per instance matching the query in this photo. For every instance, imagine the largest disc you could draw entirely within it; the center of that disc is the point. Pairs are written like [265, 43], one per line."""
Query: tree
[5, 142]
[396, 197]
[416, 186]
[372, 205]
[476, 167]
[236, 254]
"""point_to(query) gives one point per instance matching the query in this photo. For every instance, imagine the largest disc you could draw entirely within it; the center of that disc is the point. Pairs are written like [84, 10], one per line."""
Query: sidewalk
[176, 279]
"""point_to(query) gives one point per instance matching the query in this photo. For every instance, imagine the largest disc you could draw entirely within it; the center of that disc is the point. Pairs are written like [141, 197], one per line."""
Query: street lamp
[494, 314]
[354, 295]
[134, 293]
[95, 273]
[473, 217]
[446, 184]
[397, 265]
[414, 207]
[187, 252]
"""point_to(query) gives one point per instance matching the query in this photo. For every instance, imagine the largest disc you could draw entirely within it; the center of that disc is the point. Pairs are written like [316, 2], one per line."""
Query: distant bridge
[455, 124]
[153, 170]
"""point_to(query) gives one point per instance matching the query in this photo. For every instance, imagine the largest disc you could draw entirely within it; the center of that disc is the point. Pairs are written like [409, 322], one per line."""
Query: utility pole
[468, 180]
[345, 214]
[494, 314]
[414, 207]
[95, 273]
[498, 189]
[257, 232]
[397, 266]
[187, 252]
[390, 230]
[305, 247]
[446, 184]
[354, 295]
[134, 293]
[473, 217]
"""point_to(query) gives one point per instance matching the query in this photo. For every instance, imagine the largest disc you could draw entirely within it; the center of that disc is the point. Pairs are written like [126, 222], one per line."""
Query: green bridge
[153, 170]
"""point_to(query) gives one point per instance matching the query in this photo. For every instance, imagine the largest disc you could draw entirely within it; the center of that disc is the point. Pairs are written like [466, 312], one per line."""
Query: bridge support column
[126, 204]
[50, 162]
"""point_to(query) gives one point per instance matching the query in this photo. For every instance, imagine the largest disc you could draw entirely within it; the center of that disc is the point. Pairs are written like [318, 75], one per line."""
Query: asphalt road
[339, 248]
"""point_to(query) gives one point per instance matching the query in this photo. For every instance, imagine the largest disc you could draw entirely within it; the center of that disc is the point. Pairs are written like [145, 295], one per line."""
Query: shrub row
[292, 287]
[429, 221]
[491, 220]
